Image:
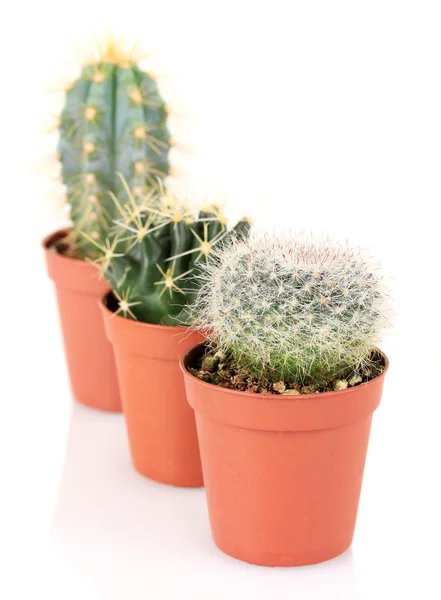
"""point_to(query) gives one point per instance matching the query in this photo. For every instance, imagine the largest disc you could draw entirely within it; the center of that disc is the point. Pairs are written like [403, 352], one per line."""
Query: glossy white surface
[108, 533]
[333, 110]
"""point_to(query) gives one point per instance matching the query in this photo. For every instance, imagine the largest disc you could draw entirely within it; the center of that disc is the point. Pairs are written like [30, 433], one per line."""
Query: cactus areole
[113, 121]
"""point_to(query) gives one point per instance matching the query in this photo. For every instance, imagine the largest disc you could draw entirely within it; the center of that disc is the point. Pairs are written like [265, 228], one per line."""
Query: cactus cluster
[292, 309]
[114, 120]
[157, 245]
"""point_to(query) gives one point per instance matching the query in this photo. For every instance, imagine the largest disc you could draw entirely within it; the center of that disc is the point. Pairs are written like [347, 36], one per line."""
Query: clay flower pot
[89, 354]
[160, 423]
[282, 473]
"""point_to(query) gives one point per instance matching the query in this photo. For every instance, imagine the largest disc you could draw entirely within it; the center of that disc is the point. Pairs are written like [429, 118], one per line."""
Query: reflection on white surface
[125, 537]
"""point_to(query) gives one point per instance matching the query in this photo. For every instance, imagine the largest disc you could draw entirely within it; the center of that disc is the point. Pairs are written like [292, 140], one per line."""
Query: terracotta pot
[89, 354]
[160, 423]
[282, 474]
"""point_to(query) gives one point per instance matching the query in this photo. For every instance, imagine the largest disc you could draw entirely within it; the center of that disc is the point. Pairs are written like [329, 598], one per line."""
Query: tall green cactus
[155, 279]
[114, 120]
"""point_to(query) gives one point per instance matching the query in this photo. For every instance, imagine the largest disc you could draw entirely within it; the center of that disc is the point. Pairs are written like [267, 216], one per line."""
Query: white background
[326, 116]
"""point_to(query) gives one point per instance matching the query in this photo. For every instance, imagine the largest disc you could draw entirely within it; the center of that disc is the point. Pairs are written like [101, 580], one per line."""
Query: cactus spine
[114, 120]
[155, 278]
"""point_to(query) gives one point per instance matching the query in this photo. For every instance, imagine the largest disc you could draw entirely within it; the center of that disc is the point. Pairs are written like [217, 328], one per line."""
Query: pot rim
[76, 274]
[139, 324]
[51, 238]
[287, 397]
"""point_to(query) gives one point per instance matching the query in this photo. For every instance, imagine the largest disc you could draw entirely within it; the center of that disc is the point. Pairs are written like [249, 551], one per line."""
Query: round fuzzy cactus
[292, 308]
[113, 121]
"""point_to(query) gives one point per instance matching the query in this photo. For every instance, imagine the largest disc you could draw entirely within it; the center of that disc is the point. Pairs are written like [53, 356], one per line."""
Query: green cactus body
[113, 121]
[292, 308]
[155, 280]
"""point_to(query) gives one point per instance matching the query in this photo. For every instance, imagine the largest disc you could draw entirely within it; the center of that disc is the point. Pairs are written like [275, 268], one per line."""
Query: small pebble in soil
[308, 389]
[354, 380]
[279, 387]
[291, 393]
[340, 384]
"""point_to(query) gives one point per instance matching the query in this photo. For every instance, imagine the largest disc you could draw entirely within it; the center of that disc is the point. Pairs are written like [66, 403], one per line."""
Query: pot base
[192, 480]
[275, 559]
[93, 403]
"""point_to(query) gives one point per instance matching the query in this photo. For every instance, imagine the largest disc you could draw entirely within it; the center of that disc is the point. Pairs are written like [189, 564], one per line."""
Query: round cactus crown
[292, 308]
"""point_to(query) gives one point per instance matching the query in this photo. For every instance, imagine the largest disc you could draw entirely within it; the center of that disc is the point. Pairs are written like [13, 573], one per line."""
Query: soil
[216, 369]
[62, 247]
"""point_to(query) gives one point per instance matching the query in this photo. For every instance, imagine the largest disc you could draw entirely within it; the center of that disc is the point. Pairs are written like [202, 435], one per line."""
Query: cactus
[154, 278]
[114, 120]
[292, 309]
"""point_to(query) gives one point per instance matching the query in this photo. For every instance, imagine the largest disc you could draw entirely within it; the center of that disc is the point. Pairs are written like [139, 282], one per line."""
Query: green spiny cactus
[292, 309]
[114, 120]
[154, 277]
